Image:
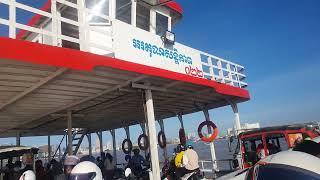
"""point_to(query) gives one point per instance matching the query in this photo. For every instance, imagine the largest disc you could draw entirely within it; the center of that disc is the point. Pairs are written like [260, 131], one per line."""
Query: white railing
[88, 36]
[223, 71]
[54, 18]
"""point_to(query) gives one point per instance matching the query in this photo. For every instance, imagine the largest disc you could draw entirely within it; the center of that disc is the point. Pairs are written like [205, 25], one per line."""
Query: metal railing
[214, 68]
[52, 16]
[223, 71]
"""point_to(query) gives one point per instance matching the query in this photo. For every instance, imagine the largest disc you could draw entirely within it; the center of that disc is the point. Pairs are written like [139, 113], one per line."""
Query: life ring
[182, 136]
[162, 136]
[146, 142]
[213, 136]
[127, 151]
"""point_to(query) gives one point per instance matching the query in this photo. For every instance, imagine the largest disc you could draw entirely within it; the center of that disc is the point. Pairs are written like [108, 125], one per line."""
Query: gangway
[106, 62]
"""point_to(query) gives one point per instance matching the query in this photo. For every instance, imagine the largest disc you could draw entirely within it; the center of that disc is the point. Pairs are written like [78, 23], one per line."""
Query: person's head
[69, 163]
[28, 175]
[136, 151]
[98, 159]
[38, 163]
[180, 148]
[189, 144]
[27, 159]
[86, 170]
[109, 156]
[17, 164]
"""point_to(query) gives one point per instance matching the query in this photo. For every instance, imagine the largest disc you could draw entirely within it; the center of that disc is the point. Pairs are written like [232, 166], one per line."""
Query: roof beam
[33, 88]
[69, 106]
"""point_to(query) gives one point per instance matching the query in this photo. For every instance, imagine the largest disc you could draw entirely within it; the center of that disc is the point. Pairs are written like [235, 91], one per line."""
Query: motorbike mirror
[127, 172]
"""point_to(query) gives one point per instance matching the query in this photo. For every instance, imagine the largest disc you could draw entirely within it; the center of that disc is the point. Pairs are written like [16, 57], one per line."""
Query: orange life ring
[146, 142]
[182, 136]
[162, 136]
[213, 136]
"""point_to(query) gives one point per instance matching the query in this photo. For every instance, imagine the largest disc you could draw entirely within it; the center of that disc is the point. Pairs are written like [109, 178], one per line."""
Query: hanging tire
[127, 151]
[182, 136]
[146, 142]
[213, 135]
[162, 143]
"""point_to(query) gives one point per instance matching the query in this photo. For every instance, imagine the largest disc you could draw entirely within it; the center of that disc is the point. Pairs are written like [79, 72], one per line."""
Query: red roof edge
[13, 49]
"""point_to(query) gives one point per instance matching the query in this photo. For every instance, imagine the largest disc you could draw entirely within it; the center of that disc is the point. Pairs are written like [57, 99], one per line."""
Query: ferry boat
[95, 66]
[270, 140]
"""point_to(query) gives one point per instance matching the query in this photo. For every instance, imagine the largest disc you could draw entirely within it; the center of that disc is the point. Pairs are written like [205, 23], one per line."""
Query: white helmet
[86, 170]
[28, 175]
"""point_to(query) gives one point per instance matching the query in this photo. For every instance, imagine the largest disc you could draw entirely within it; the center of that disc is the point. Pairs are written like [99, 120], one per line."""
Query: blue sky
[277, 42]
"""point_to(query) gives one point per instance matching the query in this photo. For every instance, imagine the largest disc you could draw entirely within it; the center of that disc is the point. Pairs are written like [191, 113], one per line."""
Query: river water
[203, 150]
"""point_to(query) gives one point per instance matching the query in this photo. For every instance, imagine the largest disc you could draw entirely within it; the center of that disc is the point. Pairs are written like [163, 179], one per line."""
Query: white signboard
[142, 47]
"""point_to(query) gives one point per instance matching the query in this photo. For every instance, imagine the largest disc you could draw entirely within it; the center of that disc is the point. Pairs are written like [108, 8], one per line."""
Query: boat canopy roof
[308, 126]
[16, 151]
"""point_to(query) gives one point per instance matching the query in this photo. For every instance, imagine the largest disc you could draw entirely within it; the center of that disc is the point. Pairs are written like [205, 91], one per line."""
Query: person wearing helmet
[190, 161]
[28, 175]
[86, 170]
[136, 162]
[69, 163]
[178, 159]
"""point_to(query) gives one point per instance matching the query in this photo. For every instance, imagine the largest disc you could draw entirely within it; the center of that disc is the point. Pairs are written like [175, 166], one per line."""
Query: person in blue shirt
[136, 162]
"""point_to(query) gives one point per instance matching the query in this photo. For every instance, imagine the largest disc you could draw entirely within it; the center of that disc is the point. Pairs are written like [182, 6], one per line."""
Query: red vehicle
[256, 144]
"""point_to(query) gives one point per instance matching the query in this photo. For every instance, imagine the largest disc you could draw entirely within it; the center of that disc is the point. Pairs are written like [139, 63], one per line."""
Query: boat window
[161, 24]
[98, 7]
[251, 146]
[143, 17]
[123, 12]
[294, 138]
[276, 143]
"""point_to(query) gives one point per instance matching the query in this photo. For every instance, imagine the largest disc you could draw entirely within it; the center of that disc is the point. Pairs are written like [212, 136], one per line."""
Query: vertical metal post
[100, 142]
[152, 136]
[112, 9]
[212, 149]
[236, 117]
[82, 24]
[54, 25]
[12, 19]
[165, 151]
[18, 139]
[134, 12]
[181, 120]
[69, 119]
[90, 144]
[49, 149]
[113, 134]
[127, 129]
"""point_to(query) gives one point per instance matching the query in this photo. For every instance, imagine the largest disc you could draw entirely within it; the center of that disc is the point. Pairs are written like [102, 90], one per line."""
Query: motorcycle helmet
[86, 170]
[28, 175]
[189, 144]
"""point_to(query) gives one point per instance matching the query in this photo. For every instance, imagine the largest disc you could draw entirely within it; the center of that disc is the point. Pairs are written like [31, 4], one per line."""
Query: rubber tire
[146, 146]
[164, 143]
[128, 151]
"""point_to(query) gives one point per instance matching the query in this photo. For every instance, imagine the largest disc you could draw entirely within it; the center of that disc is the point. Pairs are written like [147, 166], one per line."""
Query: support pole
[101, 142]
[152, 136]
[113, 134]
[127, 129]
[69, 118]
[49, 149]
[212, 149]
[181, 120]
[236, 117]
[90, 144]
[165, 150]
[18, 139]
